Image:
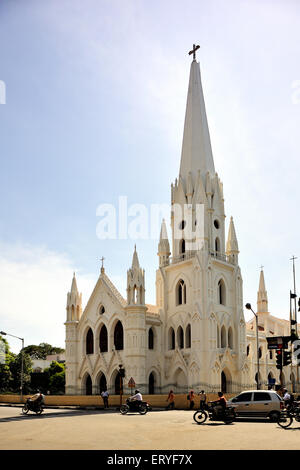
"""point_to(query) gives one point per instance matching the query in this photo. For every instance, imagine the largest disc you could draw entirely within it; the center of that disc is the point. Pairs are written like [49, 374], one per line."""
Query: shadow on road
[289, 429]
[45, 415]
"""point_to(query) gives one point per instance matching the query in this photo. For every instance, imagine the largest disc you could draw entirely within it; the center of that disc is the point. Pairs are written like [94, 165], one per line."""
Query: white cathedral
[195, 337]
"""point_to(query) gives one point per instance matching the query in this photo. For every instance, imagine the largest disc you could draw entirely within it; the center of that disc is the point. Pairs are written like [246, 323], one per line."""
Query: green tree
[56, 377]
[15, 369]
[5, 372]
[42, 350]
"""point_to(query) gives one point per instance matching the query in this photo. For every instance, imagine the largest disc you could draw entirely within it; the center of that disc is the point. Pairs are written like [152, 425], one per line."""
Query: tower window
[180, 340]
[221, 292]
[150, 339]
[188, 336]
[171, 339]
[181, 293]
[223, 337]
[217, 244]
[182, 224]
[216, 223]
[182, 246]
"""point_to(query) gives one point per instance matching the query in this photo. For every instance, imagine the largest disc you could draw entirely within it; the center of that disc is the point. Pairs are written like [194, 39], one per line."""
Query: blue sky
[95, 102]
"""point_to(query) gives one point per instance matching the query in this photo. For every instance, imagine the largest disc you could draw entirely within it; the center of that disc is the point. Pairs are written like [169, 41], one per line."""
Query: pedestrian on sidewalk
[171, 400]
[191, 398]
[105, 396]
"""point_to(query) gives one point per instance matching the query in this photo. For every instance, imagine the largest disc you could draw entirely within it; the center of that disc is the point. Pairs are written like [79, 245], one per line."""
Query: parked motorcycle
[212, 411]
[134, 406]
[30, 405]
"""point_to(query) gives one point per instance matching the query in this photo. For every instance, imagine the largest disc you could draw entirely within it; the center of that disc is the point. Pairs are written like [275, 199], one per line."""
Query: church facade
[195, 337]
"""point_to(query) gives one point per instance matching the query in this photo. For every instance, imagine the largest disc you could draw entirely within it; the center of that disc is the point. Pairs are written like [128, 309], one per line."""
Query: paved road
[80, 429]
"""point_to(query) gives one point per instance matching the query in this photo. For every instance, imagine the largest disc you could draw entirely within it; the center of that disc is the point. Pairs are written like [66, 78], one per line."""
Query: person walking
[191, 398]
[202, 396]
[105, 396]
[171, 400]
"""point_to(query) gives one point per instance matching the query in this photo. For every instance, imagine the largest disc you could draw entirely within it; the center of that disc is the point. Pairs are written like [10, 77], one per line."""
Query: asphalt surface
[72, 429]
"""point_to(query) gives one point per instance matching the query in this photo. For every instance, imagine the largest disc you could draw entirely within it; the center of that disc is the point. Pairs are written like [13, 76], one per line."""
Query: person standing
[171, 400]
[202, 396]
[105, 396]
[191, 398]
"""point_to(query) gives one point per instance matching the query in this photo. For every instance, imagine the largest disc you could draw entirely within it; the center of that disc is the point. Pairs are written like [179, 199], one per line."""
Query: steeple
[232, 248]
[135, 282]
[74, 302]
[135, 259]
[163, 246]
[196, 147]
[74, 289]
[262, 297]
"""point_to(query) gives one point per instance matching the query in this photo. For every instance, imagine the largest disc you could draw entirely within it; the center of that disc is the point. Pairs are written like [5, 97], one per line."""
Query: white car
[258, 403]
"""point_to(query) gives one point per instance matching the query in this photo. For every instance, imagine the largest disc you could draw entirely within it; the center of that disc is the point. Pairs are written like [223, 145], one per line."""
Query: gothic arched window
[118, 336]
[171, 339]
[103, 342]
[188, 336]
[221, 292]
[150, 339]
[180, 340]
[90, 342]
[223, 337]
[181, 292]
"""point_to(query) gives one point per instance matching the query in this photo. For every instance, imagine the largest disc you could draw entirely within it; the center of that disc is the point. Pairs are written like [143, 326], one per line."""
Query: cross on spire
[193, 51]
[261, 268]
[102, 267]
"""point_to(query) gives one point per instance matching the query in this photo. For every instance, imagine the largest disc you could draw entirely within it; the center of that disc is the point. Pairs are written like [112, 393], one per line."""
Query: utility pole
[248, 306]
[295, 311]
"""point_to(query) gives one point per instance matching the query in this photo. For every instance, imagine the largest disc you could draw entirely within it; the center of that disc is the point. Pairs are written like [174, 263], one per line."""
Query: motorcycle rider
[286, 398]
[220, 404]
[36, 400]
[137, 398]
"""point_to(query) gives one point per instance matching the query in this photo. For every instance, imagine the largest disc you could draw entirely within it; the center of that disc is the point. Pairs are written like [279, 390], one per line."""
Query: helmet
[137, 391]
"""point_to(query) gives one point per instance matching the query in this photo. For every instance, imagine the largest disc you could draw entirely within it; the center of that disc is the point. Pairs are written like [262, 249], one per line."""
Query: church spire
[262, 297]
[135, 259]
[163, 246]
[74, 289]
[232, 248]
[196, 147]
[135, 282]
[74, 302]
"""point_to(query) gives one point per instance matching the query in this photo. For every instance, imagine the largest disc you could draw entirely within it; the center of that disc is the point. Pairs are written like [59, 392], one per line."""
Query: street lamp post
[248, 306]
[22, 361]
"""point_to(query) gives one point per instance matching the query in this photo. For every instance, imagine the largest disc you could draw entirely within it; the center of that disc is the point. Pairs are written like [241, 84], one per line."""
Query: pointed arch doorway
[223, 382]
[151, 383]
[226, 381]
